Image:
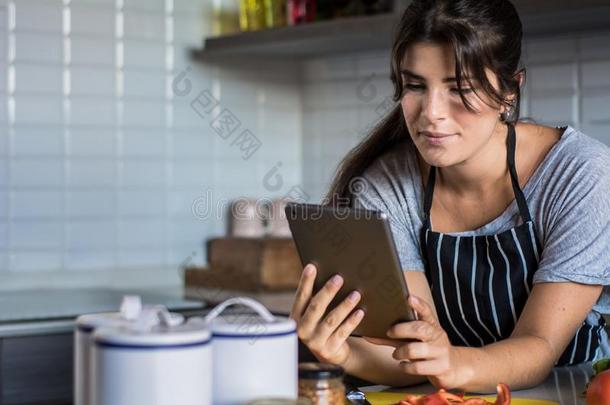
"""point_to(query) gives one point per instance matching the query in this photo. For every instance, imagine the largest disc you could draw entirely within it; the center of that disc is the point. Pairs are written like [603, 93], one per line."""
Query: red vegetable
[443, 397]
[598, 391]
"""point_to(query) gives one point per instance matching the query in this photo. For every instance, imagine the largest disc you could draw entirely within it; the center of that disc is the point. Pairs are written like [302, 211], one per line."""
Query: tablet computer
[358, 245]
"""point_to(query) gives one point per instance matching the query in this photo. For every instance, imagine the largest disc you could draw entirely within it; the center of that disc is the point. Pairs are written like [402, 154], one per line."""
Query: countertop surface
[564, 385]
[54, 310]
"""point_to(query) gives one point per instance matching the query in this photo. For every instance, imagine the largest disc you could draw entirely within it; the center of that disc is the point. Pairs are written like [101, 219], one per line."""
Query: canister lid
[158, 336]
[319, 371]
[251, 325]
[89, 322]
[257, 322]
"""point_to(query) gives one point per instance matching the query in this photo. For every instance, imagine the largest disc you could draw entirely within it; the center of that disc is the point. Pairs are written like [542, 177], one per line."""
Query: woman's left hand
[430, 354]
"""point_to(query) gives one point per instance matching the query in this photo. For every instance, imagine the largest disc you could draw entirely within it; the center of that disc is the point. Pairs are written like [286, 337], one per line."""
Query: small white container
[254, 355]
[129, 313]
[278, 223]
[247, 218]
[85, 325]
[159, 364]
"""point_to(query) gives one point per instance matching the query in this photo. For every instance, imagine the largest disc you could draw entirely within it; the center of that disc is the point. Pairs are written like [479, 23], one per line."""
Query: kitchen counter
[564, 385]
[38, 312]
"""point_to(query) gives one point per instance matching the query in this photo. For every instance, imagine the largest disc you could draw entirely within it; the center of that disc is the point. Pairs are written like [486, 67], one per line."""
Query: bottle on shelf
[226, 17]
[275, 13]
[251, 15]
[301, 11]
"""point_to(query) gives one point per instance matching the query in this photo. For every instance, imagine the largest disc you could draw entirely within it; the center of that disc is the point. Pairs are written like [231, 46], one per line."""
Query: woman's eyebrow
[407, 73]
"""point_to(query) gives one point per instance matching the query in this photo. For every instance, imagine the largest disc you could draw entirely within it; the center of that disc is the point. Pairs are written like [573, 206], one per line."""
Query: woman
[502, 227]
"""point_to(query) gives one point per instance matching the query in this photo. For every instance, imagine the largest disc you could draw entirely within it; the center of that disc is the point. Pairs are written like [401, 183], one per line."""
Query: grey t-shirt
[568, 196]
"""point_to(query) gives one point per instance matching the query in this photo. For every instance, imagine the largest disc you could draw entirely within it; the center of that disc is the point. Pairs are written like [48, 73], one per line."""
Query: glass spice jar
[301, 11]
[275, 13]
[251, 15]
[322, 383]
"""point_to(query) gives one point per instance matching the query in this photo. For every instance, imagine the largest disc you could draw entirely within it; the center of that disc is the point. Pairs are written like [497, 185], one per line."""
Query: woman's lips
[436, 138]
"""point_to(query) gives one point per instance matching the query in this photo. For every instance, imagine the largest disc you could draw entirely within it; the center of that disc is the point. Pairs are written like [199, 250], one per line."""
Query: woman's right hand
[326, 337]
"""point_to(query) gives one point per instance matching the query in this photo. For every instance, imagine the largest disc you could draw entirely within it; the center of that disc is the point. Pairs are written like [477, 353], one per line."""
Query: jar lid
[319, 371]
[251, 325]
[158, 336]
[89, 322]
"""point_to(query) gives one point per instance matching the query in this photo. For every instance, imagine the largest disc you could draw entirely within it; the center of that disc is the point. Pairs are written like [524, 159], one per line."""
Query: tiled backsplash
[111, 171]
[114, 168]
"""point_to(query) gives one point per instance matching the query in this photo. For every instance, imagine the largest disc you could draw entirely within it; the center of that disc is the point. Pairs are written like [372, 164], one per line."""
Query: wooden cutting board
[387, 398]
[253, 264]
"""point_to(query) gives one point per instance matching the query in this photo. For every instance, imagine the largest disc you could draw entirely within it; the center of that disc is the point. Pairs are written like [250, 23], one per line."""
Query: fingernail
[359, 313]
[354, 296]
[336, 280]
[308, 270]
[414, 299]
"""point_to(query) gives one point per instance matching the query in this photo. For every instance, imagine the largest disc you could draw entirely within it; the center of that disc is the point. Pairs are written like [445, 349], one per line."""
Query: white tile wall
[90, 204]
[36, 234]
[144, 143]
[95, 21]
[36, 172]
[93, 111]
[91, 142]
[96, 52]
[92, 234]
[39, 15]
[91, 172]
[36, 204]
[92, 81]
[35, 78]
[145, 25]
[38, 110]
[140, 83]
[21, 261]
[39, 47]
[28, 141]
[100, 162]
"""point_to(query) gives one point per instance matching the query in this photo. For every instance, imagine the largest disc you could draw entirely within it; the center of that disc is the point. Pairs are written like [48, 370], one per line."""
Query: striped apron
[480, 283]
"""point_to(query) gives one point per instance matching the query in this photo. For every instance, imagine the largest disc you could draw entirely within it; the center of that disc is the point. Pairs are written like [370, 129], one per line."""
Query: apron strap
[519, 196]
[429, 192]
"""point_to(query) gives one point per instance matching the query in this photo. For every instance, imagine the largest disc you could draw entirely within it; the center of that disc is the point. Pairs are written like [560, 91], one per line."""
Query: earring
[507, 115]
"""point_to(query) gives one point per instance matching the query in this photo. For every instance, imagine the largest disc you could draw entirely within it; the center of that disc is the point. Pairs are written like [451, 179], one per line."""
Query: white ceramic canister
[152, 364]
[278, 223]
[131, 307]
[247, 218]
[255, 355]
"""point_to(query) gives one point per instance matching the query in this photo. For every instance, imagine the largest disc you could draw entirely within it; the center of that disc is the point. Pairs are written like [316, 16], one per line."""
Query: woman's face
[443, 130]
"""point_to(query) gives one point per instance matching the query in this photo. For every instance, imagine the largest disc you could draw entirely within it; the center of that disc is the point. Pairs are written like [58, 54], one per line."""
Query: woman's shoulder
[576, 171]
[563, 153]
[578, 154]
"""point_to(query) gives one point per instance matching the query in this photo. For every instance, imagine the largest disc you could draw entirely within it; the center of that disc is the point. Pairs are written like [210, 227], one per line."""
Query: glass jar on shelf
[301, 11]
[251, 15]
[226, 17]
[275, 13]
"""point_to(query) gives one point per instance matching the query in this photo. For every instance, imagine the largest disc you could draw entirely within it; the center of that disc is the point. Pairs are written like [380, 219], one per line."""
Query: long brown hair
[483, 34]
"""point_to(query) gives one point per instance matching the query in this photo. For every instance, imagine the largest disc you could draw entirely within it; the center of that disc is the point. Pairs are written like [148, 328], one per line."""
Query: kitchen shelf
[363, 33]
[306, 40]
